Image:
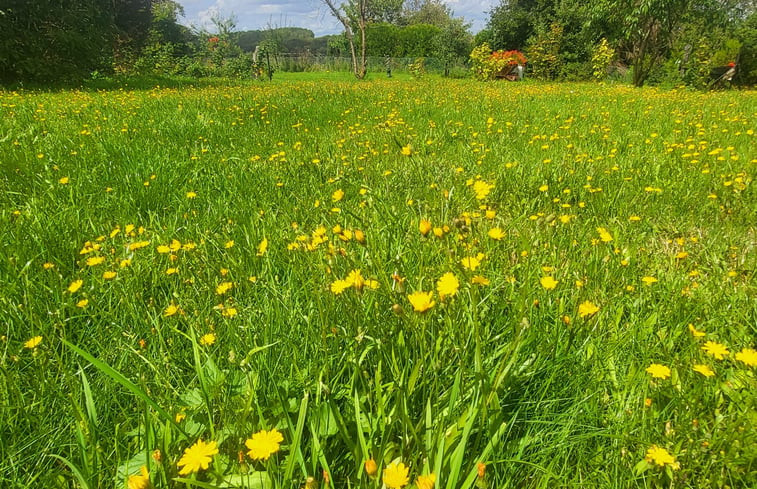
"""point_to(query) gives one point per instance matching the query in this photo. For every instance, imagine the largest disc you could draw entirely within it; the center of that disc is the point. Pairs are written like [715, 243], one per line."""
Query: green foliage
[602, 59]
[746, 34]
[543, 53]
[417, 68]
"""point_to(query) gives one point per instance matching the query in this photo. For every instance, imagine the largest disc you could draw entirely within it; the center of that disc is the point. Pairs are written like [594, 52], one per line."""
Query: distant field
[504, 285]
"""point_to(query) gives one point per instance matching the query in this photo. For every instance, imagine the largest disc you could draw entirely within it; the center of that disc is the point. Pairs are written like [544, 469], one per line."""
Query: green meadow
[387, 283]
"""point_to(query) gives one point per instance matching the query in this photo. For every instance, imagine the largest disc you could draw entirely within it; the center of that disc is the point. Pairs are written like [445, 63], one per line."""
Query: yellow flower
[748, 356]
[658, 371]
[704, 370]
[425, 481]
[263, 444]
[587, 308]
[496, 234]
[447, 285]
[262, 247]
[191, 194]
[396, 475]
[139, 481]
[407, 150]
[471, 262]
[424, 226]
[482, 189]
[604, 235]
[171, 310]
[95, 260]
[75, 285]
[137, 245]
[549, 283]
[197, 457]
[207, 339]
[421, 301]
[48, 265]
[337, 195]
[660, 456]
[33, 342]
[229, 244]
[163, 249]
[109, 274]
[649, 280]
[82, 303]
[339, 286]
[695, 332]
[224, 287]
[229, 312]
[717, 350]
[371, 468]
[64, 181]
[480, 280]
[355, 279]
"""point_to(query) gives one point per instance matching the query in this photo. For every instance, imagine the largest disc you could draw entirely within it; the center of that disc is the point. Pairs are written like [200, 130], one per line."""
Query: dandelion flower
[658, 371]
[75, 285]
[82, 303]
[704, 370]
[425, 481]
[407, 150]
[695, 332]
[337, 195]
[207, 339]
[339, 286]
[139, 481]
[747, 356]
[262, 247]
[482, 189]
[587, 308]
[424, 226]
[224, 287]
[649, 280]
[191, 194]
[33, 342]
[471, 262]
[109, 274]
[95, 260]
[263, 444]
[197, 457]
[659, 456]
[396, 475]
[480, 280]
[717, 350]
[604, 235]
[548, 282]
[496, 234]
[171, 310]
[355, 279]
[421, 301]
[447, 285]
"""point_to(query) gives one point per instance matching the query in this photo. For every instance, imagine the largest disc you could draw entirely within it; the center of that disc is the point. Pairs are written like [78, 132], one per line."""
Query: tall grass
[230, 215]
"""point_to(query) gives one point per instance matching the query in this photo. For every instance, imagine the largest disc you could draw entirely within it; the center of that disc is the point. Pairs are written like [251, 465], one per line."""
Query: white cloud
[310, 14]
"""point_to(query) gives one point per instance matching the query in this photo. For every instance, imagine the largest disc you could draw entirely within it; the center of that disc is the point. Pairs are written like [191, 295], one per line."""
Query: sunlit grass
[443, 274]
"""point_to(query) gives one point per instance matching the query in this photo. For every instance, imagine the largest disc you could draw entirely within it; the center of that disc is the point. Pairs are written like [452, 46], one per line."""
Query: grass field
[503, 285]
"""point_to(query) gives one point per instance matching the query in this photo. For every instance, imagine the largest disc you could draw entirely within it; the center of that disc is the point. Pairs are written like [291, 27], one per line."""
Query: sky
[310, 14]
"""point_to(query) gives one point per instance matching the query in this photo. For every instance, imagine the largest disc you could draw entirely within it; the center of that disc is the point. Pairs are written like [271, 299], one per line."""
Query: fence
[309, 62]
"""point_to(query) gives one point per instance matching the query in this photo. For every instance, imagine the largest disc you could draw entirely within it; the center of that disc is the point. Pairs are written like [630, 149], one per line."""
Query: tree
[648, 28]
[354, 13]
[432, 12]
[453, 42]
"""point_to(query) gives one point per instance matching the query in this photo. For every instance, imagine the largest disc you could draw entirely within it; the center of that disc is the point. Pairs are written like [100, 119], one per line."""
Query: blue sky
[310, 14]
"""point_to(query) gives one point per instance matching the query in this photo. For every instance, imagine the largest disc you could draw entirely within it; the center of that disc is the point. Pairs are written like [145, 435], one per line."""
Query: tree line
[676, 41]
